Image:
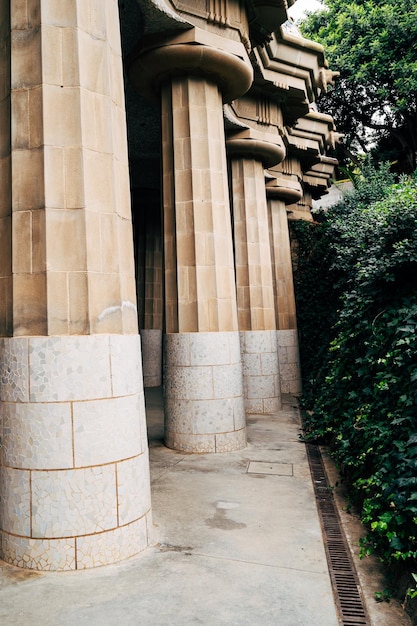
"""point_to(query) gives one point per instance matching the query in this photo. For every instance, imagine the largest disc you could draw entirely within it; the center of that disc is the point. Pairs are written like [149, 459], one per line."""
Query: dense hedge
[356, 287]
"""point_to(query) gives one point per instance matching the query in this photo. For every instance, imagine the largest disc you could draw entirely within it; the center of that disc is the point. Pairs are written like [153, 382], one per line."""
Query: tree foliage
[373, 44]
[364, 397]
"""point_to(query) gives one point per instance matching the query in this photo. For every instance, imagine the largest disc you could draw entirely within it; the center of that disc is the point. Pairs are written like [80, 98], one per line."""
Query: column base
[289, 361]
[151, 340]
[78, 552]
[75, 489]
[204, 407]
[260, 371]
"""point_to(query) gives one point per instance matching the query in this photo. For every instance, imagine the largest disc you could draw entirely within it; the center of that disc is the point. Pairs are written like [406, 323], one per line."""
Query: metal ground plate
[275, 469]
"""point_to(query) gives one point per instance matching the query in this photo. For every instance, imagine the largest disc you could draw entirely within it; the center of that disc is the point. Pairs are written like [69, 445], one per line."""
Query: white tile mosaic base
[75, 488]
[44, 555]
[151, 340]
[81, 552]
[14, 373]
[289, 361]
[15, 500]
[75, 502]
[113, 546]
[37, 435]
[260, 371]
[204, 407]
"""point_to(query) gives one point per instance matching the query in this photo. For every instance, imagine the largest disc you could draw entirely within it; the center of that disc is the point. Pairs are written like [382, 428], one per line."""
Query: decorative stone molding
[333, 139]
[305, 149]
[317, 177]
[265, 17]
[255, 110]
[231, 120]
[308, 141]
[229, 17]
[302, 209]
[324, 167]
[290, 66]
[314, 127]
[160, 16]
[326, 77]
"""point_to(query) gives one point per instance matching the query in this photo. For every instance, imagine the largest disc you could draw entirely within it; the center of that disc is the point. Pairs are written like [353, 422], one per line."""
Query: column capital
[250, 143]
[194, 52]
[289, 191]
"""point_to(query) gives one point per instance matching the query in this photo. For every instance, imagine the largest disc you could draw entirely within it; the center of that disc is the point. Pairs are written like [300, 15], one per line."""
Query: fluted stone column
[280, 193]
[151, 333]
[255, 295]
[74, 460]
[204, 408]
[6, 304]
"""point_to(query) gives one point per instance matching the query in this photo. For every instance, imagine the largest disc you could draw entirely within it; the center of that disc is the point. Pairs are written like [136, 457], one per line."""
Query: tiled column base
[74, 462]
[151, 357]
[260, 371]
[289, 361]
[204, 408]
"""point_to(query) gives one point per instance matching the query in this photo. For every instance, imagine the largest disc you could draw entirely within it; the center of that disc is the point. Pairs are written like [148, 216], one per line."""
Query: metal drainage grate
[345, 583]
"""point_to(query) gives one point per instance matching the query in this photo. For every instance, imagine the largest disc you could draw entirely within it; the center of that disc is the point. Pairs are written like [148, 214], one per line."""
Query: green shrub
[364, 396]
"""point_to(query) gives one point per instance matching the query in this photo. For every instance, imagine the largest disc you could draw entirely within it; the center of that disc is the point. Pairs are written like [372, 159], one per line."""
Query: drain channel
[345, 583]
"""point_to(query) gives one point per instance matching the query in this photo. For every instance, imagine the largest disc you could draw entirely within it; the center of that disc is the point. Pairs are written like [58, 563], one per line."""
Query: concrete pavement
[237, 541]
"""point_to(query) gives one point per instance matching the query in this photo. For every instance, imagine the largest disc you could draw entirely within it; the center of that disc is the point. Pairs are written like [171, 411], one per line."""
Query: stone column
[280, 193]
[204, 409]
[151, 332]
[75, 473]
[249, 155]
[6, 304]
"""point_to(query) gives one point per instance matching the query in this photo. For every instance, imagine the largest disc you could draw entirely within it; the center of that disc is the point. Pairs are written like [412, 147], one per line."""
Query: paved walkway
[237, 541]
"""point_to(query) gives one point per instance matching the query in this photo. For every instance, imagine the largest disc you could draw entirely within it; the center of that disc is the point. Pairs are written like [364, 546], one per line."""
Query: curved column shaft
[255, 295]
[153, 296]
[70, 172]
[200, 281]
[203, 376]
[151, 333]
[74, 462]
[287, 337]
[6, 302]
[282, 266]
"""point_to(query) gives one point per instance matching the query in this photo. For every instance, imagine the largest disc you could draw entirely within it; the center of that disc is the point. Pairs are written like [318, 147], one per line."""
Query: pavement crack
[166, 470]
[271, 565]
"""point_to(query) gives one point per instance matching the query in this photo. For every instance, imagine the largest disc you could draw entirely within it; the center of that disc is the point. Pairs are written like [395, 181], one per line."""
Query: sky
[298, 9]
